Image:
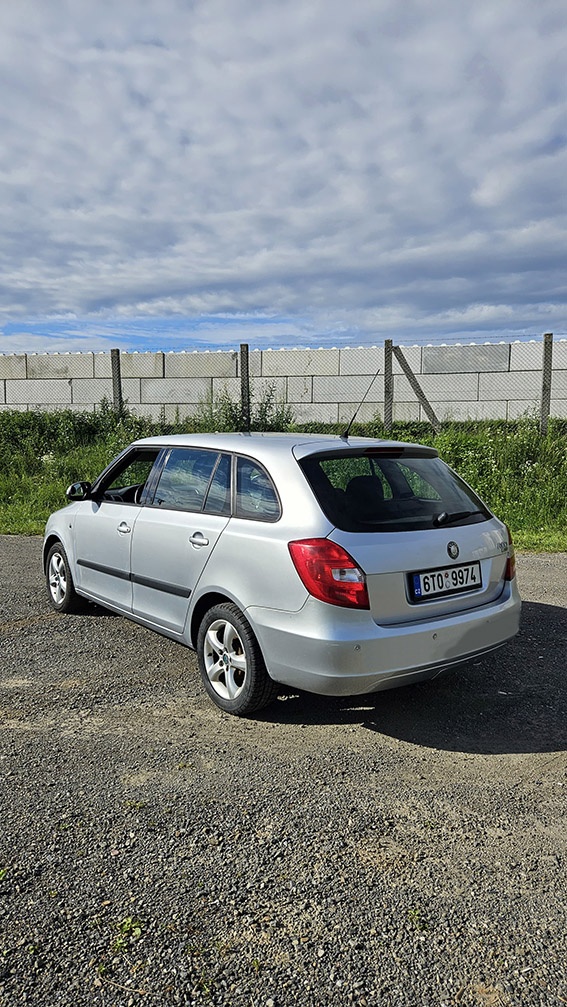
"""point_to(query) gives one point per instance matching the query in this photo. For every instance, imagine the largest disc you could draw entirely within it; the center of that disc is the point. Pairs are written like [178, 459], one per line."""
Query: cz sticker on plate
[447, 580]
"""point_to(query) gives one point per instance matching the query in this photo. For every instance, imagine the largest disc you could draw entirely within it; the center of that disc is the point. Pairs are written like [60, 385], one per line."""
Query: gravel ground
[402, 849]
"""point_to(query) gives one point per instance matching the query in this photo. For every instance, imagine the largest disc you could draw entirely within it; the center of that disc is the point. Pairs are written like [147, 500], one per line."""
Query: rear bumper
[340, 652]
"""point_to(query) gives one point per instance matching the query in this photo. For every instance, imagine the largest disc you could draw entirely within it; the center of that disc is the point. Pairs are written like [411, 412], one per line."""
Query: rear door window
[385, 491]
[185, 479]
[218, 500]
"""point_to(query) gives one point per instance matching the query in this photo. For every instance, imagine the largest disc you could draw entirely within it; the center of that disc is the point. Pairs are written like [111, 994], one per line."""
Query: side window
[126, 483]
[218, 497]
[256, 496]
[185, 479]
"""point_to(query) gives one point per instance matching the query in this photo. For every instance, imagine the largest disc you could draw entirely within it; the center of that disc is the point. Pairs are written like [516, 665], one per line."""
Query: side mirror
[78, 491]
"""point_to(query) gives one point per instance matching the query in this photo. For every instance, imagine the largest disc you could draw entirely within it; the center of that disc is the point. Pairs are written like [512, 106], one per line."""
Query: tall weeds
[521, 475]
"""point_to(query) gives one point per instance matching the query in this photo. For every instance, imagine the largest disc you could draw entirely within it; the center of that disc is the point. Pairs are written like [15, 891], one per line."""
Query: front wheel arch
[59, 579]
[47, 546]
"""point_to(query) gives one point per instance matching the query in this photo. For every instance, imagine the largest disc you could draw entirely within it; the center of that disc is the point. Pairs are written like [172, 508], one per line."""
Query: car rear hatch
[427, 544]
[413, 576]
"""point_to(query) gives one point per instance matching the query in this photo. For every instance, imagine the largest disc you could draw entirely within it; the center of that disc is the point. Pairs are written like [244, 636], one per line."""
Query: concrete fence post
[117, 400]
[546, 372]
[388, 386]
[245, 387]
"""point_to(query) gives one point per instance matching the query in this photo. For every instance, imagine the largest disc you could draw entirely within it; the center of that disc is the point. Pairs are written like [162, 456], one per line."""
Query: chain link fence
[316, 389]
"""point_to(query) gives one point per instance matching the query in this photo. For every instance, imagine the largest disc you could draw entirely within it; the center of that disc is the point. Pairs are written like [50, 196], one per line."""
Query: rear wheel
[231, 663]
[60, 588]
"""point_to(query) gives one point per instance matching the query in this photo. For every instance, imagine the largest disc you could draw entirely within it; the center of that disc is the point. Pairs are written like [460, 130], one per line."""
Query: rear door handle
[198, 539]
[124, 528]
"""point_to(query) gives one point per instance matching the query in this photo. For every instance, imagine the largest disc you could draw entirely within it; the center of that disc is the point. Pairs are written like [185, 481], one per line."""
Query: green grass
[521, 475]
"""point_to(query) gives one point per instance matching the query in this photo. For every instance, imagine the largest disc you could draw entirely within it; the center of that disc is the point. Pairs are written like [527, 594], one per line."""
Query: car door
[103, 529]
[176, 532]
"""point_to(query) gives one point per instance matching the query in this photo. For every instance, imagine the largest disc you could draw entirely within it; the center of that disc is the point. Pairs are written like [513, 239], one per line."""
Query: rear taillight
[329, 573]
[510, 571]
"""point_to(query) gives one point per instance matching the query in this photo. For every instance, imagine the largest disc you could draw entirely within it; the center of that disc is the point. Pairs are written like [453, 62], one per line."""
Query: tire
[60, 588]
[230, 660]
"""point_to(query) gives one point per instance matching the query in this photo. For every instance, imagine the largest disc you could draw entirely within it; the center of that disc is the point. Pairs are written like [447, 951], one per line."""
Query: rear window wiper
[449, 518]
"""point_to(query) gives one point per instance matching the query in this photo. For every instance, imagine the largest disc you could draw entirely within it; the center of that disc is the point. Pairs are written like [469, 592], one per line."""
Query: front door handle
[124, 528]
[198, 539]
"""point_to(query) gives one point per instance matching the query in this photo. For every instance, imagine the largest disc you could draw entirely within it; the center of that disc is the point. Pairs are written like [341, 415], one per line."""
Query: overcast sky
[285, 171]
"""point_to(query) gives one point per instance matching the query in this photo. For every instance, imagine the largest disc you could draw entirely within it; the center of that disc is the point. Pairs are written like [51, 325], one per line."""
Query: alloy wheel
[57, 578]
[225, 659]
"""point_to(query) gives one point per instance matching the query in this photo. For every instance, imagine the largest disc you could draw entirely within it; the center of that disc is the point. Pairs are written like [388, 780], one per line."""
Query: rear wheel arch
[231, 663]
[206, 602]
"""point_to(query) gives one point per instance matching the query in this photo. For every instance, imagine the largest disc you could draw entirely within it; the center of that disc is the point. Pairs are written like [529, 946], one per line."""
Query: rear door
[176, 533]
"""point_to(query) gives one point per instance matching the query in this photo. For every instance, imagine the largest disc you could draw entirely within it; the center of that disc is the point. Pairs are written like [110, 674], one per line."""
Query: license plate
[447, 580]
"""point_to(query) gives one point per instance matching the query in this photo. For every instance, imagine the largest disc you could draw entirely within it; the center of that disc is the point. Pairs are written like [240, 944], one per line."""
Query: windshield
[367, 491]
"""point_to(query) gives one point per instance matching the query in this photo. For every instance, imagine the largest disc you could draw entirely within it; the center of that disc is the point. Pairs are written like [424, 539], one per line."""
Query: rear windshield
[377, 492]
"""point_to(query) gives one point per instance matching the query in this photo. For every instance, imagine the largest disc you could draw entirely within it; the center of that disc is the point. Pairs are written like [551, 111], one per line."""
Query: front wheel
[60, 588]
[231, 663]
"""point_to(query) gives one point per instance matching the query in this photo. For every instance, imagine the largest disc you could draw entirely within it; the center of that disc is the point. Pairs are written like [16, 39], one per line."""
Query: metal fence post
[117, 400]
[388, 386]
[245, 387]
[546, 372]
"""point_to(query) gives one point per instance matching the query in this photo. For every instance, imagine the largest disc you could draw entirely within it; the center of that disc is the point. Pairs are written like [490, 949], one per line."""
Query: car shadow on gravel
[511, 701]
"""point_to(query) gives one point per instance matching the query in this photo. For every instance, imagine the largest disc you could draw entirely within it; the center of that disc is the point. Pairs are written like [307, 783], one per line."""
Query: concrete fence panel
[477, 381]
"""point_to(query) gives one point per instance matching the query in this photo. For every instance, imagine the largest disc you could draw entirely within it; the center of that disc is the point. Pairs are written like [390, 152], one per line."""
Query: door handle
[124, 528]
[198, 539]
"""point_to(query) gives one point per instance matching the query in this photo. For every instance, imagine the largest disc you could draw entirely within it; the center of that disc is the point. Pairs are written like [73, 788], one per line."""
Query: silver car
[336, 565]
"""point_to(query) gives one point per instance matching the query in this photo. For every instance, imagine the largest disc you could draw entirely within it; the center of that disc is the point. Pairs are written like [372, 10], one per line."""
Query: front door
[103, 537]
[104, 525]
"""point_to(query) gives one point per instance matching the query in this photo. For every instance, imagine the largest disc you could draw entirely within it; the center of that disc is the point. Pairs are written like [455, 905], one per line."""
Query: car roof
[271, 445]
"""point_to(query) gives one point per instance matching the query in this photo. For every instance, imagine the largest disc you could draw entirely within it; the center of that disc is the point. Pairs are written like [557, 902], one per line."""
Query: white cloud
[367, 166]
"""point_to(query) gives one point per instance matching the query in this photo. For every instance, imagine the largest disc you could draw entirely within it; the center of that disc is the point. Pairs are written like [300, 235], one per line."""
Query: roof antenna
[344, 435]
